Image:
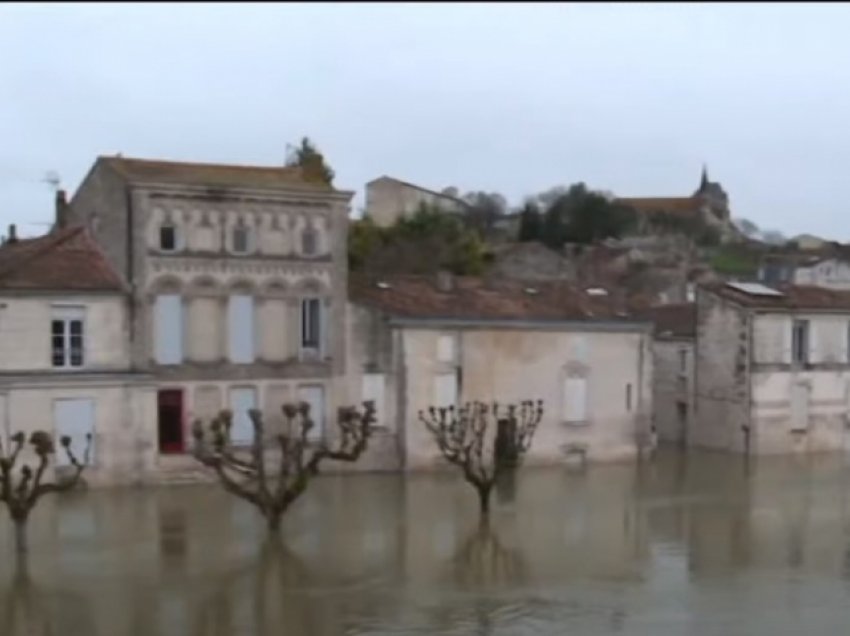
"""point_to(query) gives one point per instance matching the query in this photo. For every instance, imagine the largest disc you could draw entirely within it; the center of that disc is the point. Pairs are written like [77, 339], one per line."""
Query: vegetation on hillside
[424, 243]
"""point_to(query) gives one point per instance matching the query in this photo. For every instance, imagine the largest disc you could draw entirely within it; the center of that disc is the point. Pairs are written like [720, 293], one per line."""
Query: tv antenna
[52, 179]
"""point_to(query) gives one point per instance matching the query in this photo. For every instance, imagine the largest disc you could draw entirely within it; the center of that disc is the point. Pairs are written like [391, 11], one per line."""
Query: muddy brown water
[694, 544]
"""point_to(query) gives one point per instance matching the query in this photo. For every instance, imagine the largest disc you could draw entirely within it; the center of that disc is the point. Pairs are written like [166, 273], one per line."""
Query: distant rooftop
[783, 297]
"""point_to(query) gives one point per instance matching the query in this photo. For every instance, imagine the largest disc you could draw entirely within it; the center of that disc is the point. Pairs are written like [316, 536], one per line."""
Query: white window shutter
[373, 389]
[73, 418]
[787, 340]
[315, 397]
[242, 400]
[446, 348]
[168, 329]
[445, 390]
[324, 315]
[814, 346]
[240, 327]
[575, 400]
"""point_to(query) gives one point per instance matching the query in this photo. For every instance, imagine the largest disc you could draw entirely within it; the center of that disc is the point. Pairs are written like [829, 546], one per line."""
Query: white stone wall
[25, 331]
[830, 273]
[124, 438]
[509, 365]
[673, 387]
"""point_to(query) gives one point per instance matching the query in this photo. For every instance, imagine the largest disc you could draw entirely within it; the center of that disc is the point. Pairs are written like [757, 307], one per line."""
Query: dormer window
[167, 237]
[241, 239]
[309, 241]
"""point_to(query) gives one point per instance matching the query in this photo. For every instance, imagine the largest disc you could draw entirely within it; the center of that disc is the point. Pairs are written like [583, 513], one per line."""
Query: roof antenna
[52, 179]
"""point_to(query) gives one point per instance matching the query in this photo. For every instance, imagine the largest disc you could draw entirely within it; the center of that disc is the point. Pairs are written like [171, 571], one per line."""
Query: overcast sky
[499, 97]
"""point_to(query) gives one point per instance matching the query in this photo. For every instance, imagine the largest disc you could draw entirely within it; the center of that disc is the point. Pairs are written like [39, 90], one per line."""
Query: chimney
[61, 220]
[13, 234]
[445, 281]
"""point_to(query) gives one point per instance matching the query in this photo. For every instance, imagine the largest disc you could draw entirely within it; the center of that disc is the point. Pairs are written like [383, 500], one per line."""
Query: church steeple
[704, 181]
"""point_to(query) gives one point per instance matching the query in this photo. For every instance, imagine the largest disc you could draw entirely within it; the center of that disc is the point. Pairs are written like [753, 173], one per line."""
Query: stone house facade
[419, 342]
[673, 371]
[772, 368]
[389, 199]
[237, 288]
[65, 364]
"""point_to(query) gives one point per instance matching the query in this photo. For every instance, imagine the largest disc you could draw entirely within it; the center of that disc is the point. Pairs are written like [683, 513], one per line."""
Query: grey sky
[511, 98]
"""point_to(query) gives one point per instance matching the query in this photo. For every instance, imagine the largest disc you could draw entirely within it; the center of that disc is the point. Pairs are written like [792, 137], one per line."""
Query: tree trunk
[20, 534]
[273, 521]
[484, 498]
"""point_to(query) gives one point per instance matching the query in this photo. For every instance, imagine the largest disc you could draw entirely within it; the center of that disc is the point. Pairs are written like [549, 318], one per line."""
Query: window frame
[313, 234]
[307, 325]
[242, 231]
[802, 346]
[168, 225]
[67, 317]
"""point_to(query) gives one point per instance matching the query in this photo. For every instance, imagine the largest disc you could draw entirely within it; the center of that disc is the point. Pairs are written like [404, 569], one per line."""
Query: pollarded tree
[276, 468]
[464, 439]
[22, 487]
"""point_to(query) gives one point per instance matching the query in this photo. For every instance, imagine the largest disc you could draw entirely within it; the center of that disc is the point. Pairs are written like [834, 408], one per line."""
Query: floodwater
[694, 544]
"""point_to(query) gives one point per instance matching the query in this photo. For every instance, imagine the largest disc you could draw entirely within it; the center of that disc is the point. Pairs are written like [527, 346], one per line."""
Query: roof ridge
[49, 244]
[238, 166]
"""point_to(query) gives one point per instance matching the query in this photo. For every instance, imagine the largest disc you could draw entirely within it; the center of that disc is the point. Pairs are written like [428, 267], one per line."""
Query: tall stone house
[236, 283]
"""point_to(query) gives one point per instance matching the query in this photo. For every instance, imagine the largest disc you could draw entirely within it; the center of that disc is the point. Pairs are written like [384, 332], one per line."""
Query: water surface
[698, 545]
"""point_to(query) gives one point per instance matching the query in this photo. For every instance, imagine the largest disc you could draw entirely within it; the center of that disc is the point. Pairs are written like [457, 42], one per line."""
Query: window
[242, 401]
[240, 328]
[309, 241]
[446, 349]
[241, 239]
[445, 390]
[74, 418]
[168, 329]
[800, 341]
[575, 400]
[315, 397]
[629, 397]
[66, 332]
[373, 389]
[311, 323]
[167, 237]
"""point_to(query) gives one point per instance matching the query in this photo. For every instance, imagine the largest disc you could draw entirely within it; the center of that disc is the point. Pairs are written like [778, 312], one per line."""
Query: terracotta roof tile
[678, 205]
[212, 174]
[63, 260]
[676, 320]
[417, 297]
[794, 297]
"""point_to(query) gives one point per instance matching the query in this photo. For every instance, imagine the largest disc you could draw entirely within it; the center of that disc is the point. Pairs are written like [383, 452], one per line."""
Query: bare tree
[21, 492]
[462, 437]
[252, 474]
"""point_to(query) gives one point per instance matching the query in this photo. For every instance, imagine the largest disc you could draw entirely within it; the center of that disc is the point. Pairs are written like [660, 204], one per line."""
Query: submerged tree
[275, 469]
[462, 437]
[21, 492]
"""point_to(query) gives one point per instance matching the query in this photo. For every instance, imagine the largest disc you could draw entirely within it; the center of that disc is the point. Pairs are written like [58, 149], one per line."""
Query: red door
[170, 414]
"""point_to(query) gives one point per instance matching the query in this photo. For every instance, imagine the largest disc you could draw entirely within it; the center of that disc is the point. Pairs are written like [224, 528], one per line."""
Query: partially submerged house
[772, 368]
[417, 342]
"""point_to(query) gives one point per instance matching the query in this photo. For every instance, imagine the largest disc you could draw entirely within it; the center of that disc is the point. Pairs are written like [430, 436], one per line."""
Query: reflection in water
[660, 547]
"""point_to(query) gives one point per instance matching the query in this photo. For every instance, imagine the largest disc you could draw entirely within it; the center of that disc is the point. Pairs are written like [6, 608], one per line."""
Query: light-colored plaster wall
[509, 365]
[25, 331]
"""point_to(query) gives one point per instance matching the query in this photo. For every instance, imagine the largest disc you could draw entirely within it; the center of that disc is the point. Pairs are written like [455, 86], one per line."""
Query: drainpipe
[748, 402]
[130, 272]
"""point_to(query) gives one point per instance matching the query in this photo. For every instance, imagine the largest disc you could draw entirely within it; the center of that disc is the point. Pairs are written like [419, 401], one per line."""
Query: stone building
[772, 368]
[237, 287]
[65, 364]
[802, 269]
[389, 199]
[419, 342]
[709, 202]
[673, 371]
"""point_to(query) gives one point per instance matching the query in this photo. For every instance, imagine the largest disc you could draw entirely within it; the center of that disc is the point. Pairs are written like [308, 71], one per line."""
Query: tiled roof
[793, 297]
[678, 320]
[679, 205]
[212, 174]
[64, 260]
[418, 297]
[407, 184]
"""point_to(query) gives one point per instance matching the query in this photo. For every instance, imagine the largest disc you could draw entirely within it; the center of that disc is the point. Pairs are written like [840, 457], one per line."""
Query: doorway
[170, 417]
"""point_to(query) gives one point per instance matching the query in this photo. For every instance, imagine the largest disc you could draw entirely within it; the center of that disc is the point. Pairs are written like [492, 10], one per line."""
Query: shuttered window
[73, 418]
[168, 329]
[575, 400]
[445, 390]
[240, 328]
[242, 400]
